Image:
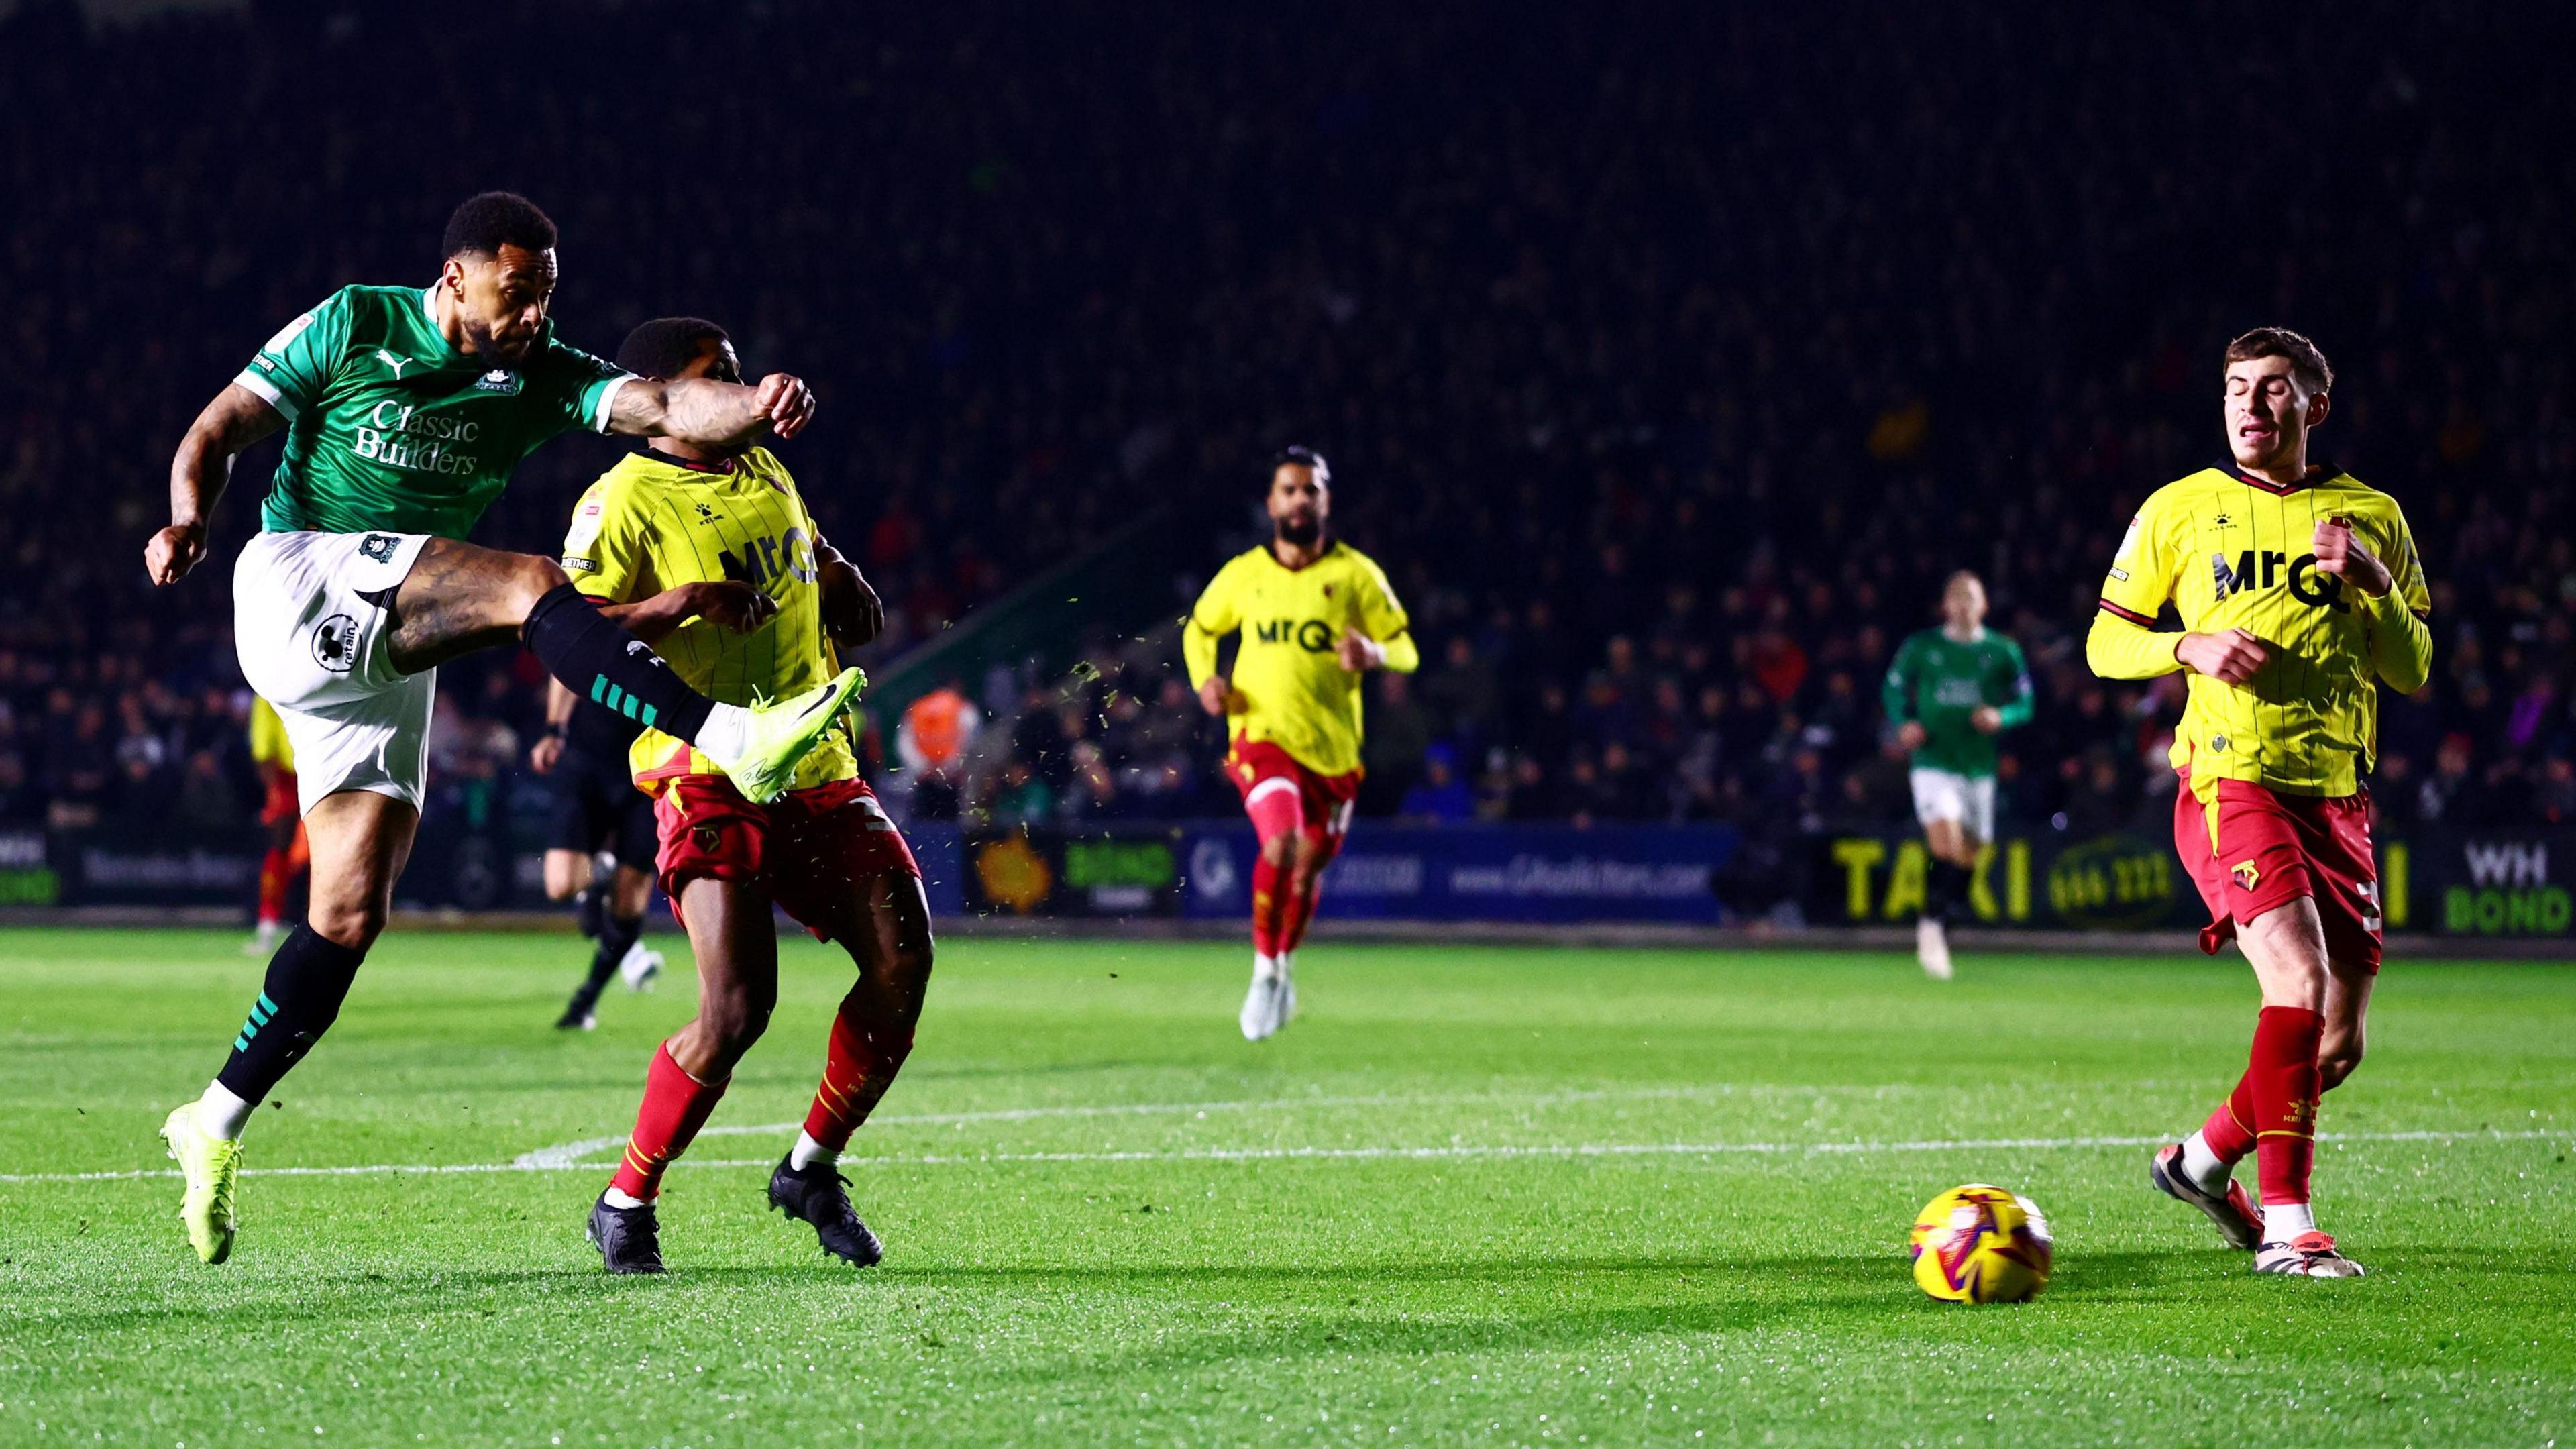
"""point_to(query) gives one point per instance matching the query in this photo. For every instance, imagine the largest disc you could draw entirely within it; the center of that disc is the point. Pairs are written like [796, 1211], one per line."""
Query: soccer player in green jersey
[405, 411]
[1949, 693]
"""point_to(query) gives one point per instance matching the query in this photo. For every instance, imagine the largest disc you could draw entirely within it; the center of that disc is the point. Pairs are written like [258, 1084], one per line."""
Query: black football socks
[616, 937]
[606, 665]
[307, 980]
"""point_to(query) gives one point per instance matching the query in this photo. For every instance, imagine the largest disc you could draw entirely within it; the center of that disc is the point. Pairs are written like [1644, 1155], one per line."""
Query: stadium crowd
[1666, 407]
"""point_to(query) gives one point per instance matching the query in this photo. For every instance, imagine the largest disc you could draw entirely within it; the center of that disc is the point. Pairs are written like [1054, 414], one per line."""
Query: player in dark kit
[597, 809]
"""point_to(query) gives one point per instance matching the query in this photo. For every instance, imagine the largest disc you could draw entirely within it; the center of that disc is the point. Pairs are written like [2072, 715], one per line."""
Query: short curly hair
[661, 347]
[497, 219]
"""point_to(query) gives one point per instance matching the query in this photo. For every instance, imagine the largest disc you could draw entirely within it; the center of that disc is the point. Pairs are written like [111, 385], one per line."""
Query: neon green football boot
[784, 731]
[210, 1163]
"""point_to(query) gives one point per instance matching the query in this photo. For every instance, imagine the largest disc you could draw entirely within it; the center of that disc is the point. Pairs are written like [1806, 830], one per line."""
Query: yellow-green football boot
[210, 1163]
[784, 731]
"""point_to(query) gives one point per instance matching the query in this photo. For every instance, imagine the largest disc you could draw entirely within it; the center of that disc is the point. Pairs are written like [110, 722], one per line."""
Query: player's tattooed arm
[722, 415]
[728, 603]
[236, 419]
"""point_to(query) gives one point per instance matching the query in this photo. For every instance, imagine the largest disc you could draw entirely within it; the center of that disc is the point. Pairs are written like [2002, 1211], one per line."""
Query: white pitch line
[566, 1154]
[1338, 1154]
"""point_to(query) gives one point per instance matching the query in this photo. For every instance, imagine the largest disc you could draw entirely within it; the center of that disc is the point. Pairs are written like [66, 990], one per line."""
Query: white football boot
[639, 966]
[2309, 1255]
[1932, 948]
[1261, 1014]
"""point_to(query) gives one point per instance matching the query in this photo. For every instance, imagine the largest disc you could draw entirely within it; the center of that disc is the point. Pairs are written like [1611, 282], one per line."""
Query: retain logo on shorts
[2247, 874]
[378, 547]
[335, 643]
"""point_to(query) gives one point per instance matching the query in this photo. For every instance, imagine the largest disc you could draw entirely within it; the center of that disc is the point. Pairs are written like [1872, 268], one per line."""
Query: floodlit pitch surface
[1474, 1194]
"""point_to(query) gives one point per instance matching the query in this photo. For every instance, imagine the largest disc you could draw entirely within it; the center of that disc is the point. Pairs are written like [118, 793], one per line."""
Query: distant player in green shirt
[1949, 693]
[405, 410]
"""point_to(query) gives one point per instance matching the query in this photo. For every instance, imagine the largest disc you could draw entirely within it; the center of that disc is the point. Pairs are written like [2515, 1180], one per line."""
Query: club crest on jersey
[2247, 874]
[501, 380]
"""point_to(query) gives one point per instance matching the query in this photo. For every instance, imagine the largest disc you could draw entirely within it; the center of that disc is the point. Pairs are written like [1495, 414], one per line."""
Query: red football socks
[675, 1106]
[857, 1068]
[276, 869]
[1301, 906]
[2283, 1077]
[1270, 902]
[2227, 1131]
[1293, 921]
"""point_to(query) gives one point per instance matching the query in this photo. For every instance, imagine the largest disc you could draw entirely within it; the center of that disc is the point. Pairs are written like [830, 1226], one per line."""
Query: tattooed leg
[459, 598]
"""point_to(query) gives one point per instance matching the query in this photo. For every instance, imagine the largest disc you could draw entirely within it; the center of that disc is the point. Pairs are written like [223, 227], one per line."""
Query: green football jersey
[391, 428]
[1939, 682]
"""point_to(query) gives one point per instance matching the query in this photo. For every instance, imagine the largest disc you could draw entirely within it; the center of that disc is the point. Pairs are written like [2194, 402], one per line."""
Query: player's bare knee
[530, 578]
[1279, 849]
[912, 959]
[354, 925]
[734, 1019]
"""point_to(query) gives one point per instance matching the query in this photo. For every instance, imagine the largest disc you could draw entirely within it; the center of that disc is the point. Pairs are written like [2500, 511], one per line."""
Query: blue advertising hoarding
[1481, 873]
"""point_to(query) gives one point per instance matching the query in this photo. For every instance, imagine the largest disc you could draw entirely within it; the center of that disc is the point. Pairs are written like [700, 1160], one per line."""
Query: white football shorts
[1967, 799]
[312, 619]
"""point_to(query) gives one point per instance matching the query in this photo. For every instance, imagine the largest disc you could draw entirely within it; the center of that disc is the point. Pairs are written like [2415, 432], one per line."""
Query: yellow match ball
[1980, 1244]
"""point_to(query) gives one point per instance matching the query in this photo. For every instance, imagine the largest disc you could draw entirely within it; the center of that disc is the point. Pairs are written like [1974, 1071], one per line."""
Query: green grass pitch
[1474, 1195]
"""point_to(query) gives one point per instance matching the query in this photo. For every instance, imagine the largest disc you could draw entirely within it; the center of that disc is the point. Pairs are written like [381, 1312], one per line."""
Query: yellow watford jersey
[268, 742]
[655, 522]
[1289, 684]
[2228, 551]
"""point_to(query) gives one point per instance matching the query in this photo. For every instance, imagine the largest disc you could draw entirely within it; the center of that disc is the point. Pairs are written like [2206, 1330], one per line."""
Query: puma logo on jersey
[394, 362]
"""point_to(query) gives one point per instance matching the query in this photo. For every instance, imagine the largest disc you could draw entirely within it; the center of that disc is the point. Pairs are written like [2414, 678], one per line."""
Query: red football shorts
[279, 805]
[802, 851]
[2271, 849]
[1260, 769]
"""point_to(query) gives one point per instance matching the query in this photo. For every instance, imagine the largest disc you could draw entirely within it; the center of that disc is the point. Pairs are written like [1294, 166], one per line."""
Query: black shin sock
[1936, 891]
[604, 664]
[307, 980]
[616, 937]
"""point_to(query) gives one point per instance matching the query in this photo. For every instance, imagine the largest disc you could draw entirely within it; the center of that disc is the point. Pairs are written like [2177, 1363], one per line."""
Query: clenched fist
[2230, 656]
[173, 551]
[786, 402]
[2341, 553]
